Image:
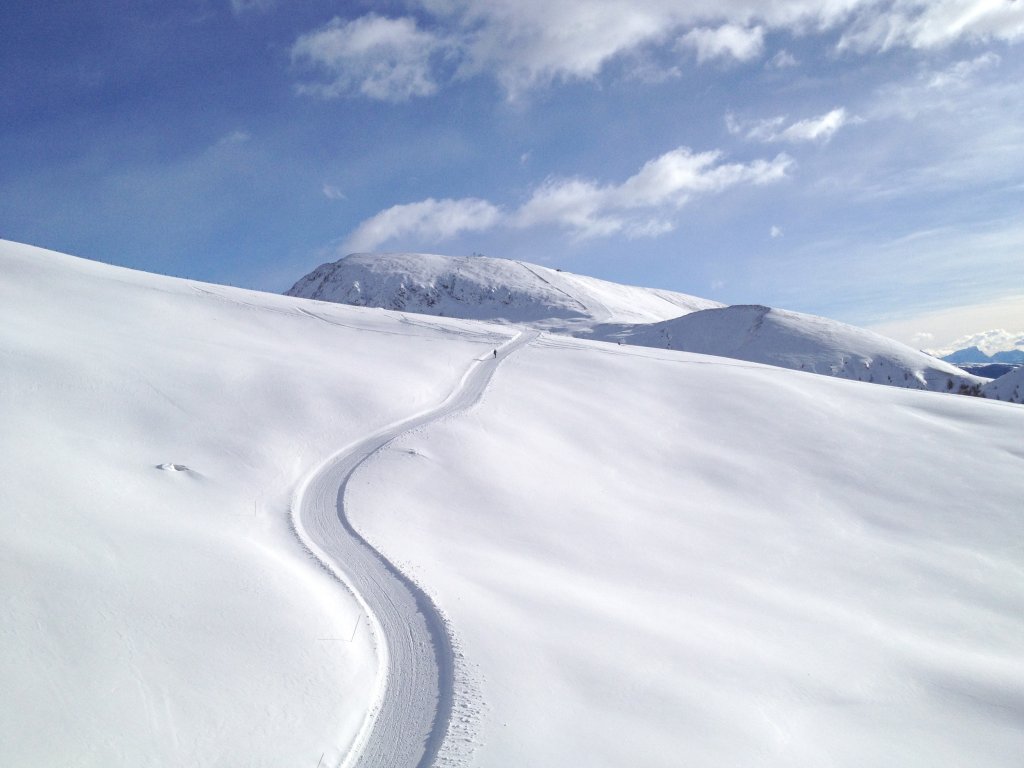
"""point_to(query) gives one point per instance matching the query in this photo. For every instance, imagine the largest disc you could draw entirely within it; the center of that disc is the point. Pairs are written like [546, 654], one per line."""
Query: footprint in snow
[173, 467]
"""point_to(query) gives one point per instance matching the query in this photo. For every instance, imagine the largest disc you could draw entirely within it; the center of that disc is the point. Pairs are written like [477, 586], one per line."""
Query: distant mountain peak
[486, 288]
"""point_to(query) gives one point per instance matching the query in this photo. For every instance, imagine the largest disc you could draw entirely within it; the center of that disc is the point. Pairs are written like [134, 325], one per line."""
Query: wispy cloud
[922, 24]
[381, 58]
[783, 60]
[428, 220]
[962, 72]
[331, 192]
[776, 129]
[524, 45]
[725, 42]
[641, 206]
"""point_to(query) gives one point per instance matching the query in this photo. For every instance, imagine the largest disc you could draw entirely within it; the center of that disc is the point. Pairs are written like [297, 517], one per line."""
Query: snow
[517, 292]
[158, 608]
[637, 556]
[661, 558]
[801, 342]
[411, 718]
[483, 288]
[1009, 386]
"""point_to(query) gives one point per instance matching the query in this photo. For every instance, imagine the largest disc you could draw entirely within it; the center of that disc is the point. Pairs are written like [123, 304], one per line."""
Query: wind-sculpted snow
[801, 342]
[408, 722]
[482, 288]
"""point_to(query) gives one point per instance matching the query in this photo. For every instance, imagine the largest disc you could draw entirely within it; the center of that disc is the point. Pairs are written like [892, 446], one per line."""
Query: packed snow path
[407, 724]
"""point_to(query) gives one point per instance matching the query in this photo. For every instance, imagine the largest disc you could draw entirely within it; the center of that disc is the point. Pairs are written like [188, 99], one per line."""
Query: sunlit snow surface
[483, 288]
[666, 559]
[157, 607]
[508, 291]
[1008, 387]
[647, 557]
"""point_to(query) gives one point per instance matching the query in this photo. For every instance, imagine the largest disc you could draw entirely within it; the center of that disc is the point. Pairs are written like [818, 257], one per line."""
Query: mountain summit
[483, 288]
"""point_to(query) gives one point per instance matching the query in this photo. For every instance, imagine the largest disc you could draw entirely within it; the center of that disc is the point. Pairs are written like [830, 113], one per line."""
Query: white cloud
[775, 232]
[774, 129]
[429, 220]
[819, 128]
[727, 41]
[381, 58]
[942, 331]
[529, 43]
[524, 44]
[990, 342]
[934, 23]
[641, 206]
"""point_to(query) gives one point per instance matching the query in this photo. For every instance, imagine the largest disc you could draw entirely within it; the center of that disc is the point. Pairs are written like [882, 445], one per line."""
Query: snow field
[664, 558]
[416, 703]
[645, 557]
[155, 617]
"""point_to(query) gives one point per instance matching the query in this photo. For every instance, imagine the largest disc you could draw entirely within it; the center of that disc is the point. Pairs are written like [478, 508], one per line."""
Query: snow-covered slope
[510, 291]
[664, 559]
[1008, 387]
[638, 556]
[158, 609]
[482, 288]
[801, 342]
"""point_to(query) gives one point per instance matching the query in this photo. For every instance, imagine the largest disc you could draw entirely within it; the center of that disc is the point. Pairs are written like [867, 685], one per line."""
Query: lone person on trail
[495, 353]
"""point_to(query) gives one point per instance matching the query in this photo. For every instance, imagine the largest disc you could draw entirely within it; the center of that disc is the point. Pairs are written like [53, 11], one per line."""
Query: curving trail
[406, 726]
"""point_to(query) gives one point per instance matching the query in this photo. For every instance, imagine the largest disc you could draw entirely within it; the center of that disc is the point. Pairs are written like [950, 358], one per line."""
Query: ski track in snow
[410, 717]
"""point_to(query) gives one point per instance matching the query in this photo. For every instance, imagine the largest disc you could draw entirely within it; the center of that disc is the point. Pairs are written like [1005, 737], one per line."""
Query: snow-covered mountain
[585, 553]
[1009, 387]
[483, 288]
[801, 342]
[513, 291]
[975, 355]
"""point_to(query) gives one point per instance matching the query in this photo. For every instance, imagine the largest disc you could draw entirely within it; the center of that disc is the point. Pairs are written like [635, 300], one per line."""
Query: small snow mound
[173, 467]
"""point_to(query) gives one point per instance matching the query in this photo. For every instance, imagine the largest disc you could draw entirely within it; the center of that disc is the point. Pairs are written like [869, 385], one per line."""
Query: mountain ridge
[485, 288]
[502, 290]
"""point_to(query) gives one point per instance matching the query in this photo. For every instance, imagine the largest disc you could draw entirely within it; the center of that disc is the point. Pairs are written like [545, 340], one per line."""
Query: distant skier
[495, 354]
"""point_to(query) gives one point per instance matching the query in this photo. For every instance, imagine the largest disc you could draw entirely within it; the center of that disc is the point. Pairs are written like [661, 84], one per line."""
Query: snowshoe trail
[407, 723]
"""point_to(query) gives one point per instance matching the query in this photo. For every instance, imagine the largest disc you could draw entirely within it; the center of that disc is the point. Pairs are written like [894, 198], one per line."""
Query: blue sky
[858, 159]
